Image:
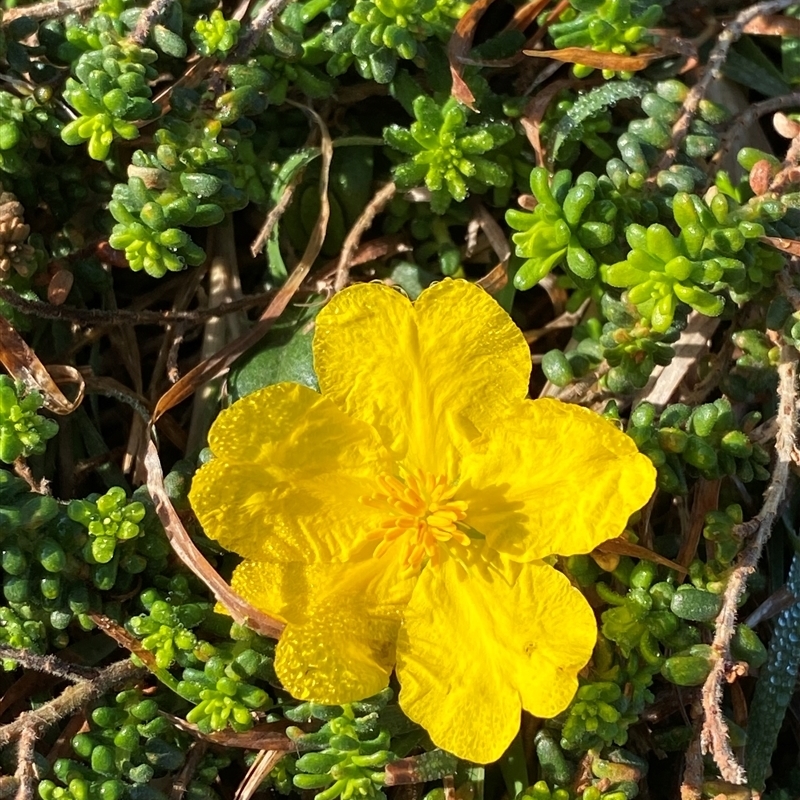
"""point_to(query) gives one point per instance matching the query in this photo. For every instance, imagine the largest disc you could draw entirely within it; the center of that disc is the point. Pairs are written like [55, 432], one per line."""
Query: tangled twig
[362, 224]
[68, 702]
[749, 116]
[713, 72]
[124, 316]
[50, 664]
[26, 774]
[147, 19]
[269, 12]
[48, 9]
[714, 738]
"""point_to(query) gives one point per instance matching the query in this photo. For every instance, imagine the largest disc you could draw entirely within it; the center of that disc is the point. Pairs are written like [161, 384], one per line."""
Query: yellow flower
[401, 517]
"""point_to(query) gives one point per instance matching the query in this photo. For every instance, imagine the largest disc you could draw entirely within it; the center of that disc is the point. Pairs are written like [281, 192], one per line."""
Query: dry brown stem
[25, 774]
[147, 19]
[49, 9]
[692, 784]
[576, 392]
[50, 664]
[196, 752]
[714, 737]
[125, 316]
[69, 701]
[713, 72]
[270, 11]
[382, 197]
[749, 117]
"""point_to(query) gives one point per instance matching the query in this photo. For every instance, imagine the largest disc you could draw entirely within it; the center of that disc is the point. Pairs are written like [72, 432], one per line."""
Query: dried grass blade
[497, 278]
[706, 498]
[381, 199]
[791, 246]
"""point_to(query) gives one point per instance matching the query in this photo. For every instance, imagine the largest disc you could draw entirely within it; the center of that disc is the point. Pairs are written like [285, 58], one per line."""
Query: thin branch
[788, 289]
[749, 116]
[69, 701]
[49, 9]
[714, 737]
[276, 212]
[566, 320]
[50, 664]
[713, 72]
[719, 368]
[147, 19]
[123, 316]
[25, 774]
[382, 197]
[270, 11]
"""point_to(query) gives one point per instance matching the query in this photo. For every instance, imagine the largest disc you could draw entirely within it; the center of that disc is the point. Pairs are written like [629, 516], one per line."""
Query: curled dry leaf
[212, 367]
[591, 58]
[459, 45]
[24, 365]
[534, 114]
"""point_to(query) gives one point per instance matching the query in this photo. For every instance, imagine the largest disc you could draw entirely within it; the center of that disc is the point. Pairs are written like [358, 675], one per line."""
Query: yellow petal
[337, 657]
[553, 478]
[475, 650]
[424, 375]
[343, 620]
[288, 472]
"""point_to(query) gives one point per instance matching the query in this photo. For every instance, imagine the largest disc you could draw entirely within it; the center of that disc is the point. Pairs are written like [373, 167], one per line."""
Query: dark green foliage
[348, 752]
[23, 432]
[703, 441]
[447, 153]
[169, 149]
[605, 26]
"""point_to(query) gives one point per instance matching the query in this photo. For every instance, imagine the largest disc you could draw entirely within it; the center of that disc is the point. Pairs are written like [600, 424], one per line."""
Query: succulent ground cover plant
[399, 398]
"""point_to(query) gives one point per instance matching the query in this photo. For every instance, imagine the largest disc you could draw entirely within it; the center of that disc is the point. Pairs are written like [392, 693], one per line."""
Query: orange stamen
[420, 509]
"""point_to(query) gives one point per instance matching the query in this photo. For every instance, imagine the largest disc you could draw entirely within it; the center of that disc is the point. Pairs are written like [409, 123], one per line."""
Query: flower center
[421, 511]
